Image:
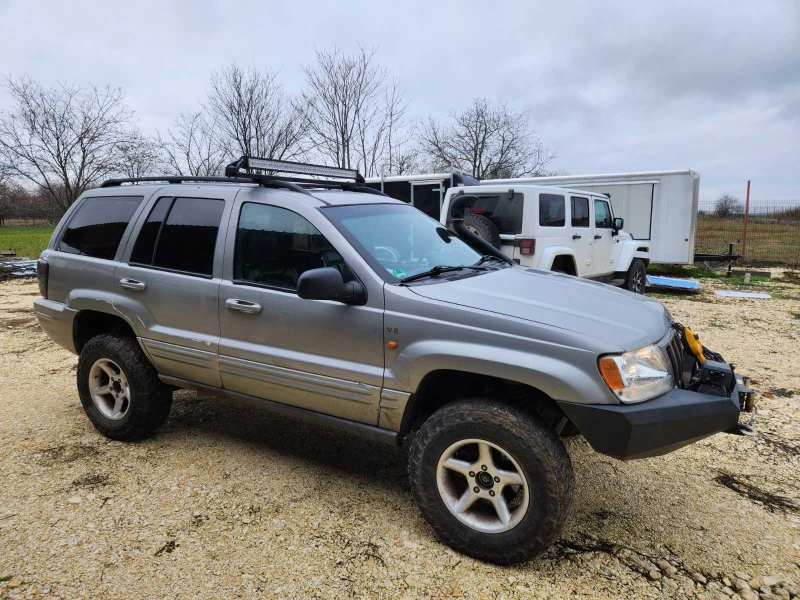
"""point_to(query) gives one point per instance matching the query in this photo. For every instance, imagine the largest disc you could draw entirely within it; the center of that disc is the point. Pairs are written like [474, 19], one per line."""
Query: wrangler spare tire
[483, 227]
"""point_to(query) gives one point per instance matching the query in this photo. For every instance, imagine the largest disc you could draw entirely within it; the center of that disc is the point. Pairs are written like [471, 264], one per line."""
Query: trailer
[425, 192]
[658, 206]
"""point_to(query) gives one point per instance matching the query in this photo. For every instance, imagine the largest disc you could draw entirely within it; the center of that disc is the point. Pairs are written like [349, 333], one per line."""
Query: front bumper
[657, 426]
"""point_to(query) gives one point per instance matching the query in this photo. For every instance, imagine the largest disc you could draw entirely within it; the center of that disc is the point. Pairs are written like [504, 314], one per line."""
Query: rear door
[171, 276]
[582, 234]
[602, 247]
[319, 355]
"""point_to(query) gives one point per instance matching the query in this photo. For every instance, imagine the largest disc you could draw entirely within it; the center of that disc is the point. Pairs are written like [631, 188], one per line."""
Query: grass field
[25, 241]
[767, 243]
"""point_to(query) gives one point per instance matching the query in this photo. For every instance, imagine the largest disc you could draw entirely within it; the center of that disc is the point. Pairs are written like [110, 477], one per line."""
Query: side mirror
[327, 284]
[618, 223]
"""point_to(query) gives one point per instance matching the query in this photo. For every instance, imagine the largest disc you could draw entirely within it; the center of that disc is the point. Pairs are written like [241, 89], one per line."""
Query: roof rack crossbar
[262, 180]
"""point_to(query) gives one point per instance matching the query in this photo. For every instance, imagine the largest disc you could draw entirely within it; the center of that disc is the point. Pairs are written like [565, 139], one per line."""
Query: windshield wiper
[488, 257]
[438, 270]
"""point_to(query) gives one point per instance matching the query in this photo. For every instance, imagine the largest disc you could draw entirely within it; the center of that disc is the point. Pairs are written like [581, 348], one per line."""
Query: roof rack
[262, 180]
[234, 174]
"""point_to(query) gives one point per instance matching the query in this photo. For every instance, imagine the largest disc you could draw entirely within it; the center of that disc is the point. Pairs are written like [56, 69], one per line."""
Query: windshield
[400, 239]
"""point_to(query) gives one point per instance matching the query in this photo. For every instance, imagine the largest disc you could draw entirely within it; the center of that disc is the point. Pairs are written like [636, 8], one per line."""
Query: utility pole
[746, 217]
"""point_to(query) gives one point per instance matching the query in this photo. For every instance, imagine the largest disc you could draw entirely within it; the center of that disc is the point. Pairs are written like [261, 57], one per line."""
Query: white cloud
[614, 86]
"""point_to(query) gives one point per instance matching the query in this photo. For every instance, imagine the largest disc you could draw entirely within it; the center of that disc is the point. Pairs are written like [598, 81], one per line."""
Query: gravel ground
[226, 501]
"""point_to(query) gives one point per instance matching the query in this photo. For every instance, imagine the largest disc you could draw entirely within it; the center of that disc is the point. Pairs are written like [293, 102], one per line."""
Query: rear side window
[146, 242]
[602, 214]
[274, 246]
[552, 210]
[97, 226]
[181, 235]
[580, 212]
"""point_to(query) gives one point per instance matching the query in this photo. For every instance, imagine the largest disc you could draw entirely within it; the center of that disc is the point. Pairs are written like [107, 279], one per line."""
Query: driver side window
[274, 246]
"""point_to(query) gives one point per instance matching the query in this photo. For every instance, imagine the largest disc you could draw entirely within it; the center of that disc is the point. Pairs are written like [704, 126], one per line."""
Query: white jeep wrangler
[555, 229]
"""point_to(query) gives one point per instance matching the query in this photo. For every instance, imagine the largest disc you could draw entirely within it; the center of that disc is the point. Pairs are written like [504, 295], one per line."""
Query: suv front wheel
[636, 278]
[491, 480]
[119, 389]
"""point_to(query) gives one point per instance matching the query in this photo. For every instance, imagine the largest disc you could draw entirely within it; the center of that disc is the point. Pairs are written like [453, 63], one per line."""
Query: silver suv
[327, 301]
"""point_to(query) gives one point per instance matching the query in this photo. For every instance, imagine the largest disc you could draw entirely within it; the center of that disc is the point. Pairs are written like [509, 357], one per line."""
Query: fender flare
[629, 252]
[559, 379]
[550, 253]
[118, 305]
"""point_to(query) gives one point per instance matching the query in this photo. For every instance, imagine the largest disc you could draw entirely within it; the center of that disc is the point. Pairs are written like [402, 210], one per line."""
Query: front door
[582, 234]
[320, 355]
[603, 241]
[170, 280]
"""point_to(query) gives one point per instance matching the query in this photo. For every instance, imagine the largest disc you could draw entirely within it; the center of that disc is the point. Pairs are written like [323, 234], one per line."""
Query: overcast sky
[626, 86]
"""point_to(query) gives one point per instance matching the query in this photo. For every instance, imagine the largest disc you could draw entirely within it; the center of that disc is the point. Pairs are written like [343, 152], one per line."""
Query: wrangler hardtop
[294, 287]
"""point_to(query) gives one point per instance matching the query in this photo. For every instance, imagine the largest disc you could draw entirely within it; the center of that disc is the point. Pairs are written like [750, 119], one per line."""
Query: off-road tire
[150, 400]
[485, 228]
[540, 454]
[636, 278]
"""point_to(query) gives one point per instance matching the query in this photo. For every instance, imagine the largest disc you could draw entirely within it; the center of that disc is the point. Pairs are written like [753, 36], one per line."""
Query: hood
[585, 307]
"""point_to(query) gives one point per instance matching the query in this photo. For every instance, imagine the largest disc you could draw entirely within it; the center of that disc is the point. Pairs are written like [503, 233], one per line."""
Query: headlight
[639, 375]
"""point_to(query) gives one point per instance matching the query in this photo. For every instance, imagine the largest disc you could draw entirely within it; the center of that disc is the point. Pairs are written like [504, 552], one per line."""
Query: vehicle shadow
[619, 509]
[319, 448]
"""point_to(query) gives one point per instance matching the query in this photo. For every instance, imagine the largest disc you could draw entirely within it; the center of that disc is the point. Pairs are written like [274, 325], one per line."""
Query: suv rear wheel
[119, 389]
[636, 278]
[491, 480]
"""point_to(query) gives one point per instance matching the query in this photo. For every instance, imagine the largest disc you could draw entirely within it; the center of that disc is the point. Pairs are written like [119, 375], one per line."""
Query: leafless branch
[487, 141]
[140, 156]
[190, 147]
[353, 117]
[252, 115]
[62, 139]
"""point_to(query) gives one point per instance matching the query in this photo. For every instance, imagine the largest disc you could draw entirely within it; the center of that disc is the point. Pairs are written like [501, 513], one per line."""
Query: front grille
[674, 351]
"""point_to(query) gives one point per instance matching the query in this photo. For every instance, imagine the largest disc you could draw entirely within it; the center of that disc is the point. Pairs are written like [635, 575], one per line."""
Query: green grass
[25, 241]
[767, 243]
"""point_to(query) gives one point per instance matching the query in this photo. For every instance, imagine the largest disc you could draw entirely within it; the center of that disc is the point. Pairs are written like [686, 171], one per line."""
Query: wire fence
[768, 235]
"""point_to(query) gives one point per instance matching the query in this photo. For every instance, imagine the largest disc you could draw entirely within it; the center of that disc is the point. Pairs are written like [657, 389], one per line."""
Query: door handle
[245, 306]
[133, 284]
[576, 237]
[598, 237]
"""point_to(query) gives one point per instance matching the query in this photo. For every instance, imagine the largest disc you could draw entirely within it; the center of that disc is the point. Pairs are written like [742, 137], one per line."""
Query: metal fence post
[746, 215]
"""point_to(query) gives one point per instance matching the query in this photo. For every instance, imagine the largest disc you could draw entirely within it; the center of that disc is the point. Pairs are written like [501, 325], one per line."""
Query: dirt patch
[91, 480]
[228, 501]
[769, 500]
[66, 453]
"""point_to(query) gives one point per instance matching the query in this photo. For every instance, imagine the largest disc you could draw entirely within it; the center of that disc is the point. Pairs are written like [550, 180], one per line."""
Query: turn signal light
[610, 372]
[527, 246]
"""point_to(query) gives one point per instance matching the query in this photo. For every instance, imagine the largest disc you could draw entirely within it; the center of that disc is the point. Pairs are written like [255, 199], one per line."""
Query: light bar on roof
[284, 166]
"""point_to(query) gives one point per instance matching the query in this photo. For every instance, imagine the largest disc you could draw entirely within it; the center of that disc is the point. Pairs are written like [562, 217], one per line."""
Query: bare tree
[139, 155]
[487, 141]
[353, 117]
[62, 139]
[728, 206]
[253, 116]
[190, 147]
